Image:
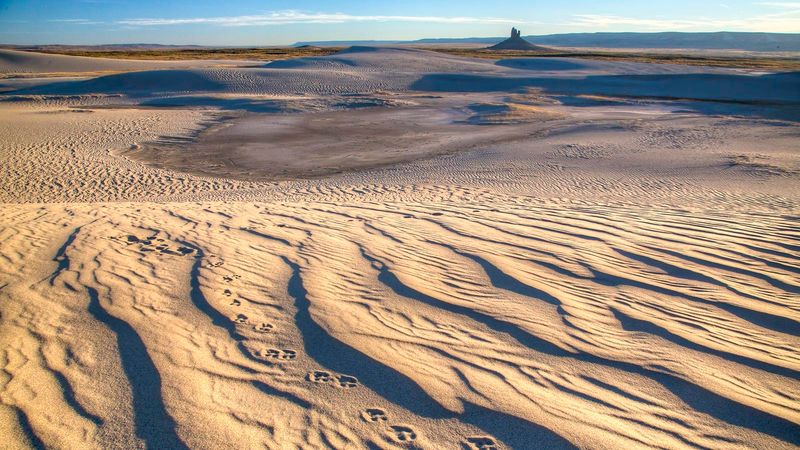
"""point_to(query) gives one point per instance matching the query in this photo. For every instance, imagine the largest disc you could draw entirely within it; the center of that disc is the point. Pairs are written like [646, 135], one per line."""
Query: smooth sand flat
[333, 255]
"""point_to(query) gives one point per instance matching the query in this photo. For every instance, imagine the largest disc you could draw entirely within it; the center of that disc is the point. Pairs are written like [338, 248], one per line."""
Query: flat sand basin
[280, 146]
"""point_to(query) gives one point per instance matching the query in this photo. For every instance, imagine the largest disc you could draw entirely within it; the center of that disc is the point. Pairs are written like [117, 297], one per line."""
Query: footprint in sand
[279, 354]
[263, 328]
[481, 443]
[320, 376]
[148, 244]
[227, 293]
[236, 302]
[130, 240]
[402, 433]
[240, 318]
[230, 278]
[342, 381]
[374, 415]
[346, 381]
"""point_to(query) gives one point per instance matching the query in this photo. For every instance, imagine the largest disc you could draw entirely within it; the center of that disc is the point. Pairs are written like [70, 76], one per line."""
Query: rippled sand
[613, 274]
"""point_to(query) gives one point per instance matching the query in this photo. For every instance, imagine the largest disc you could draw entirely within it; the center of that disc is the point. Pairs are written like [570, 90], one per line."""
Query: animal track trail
[374, 415]
[347, 382]
[481, 443]
[285, 354]
[319, 376]
[341, 381]
[263, 328]
[215, 263]
[402, 433]
[152, 244]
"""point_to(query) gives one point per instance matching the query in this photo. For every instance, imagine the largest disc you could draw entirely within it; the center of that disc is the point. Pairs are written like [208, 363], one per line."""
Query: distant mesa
[516, 42]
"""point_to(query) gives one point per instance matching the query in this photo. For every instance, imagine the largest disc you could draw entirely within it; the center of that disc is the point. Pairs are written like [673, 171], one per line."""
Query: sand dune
[337, 253]
[367, 70]
[387, 59]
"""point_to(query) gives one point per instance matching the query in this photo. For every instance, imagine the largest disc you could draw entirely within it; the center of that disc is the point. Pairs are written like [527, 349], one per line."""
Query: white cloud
[783, 22]
[75, 21]
[605, 21]
[786, 5]
[295, 17]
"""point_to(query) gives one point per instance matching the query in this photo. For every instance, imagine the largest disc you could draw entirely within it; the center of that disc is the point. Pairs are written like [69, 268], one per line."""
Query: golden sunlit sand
[395, 248]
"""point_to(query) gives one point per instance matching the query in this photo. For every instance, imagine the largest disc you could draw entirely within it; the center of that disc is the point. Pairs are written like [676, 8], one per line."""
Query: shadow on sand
[401, 390]
[775, 96]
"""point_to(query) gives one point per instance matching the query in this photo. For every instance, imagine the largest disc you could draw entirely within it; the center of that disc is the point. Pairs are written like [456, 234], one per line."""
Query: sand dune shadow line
[695, 396]
[153, 424]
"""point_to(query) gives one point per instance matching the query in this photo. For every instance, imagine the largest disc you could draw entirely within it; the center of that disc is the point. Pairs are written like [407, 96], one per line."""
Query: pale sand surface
[375, 250]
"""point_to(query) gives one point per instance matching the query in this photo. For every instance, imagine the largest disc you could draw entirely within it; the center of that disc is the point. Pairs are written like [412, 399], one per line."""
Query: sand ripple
[587, 325]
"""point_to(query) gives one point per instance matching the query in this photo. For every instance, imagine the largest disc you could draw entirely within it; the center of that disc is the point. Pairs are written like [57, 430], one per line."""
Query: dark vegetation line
[262, 54]
[276, 53]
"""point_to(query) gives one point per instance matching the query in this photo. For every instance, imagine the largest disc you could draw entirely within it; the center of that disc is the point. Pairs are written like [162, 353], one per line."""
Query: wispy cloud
[787, 5]
[295, 17]
[787, 21]
[75, 21]
[605, 21]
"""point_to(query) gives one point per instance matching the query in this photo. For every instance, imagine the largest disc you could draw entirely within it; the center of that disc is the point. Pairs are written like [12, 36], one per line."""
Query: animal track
[481, 443]
[263, 328]
[230, 278]
[240, 318]
[148, 244]
[320, 376]
[346, 381]
[402, 433]
[374, 415]
[227, 293]
[343, 381]
[236, 302]
[279, 354]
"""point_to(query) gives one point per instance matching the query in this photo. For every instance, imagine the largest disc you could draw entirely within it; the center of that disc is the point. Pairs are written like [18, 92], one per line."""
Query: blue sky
[248, 22]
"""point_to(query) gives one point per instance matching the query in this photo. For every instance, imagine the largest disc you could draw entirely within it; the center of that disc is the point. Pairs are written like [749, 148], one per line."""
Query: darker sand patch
[281, 146]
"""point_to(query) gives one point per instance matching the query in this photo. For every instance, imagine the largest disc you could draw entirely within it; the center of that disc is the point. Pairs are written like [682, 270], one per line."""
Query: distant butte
[516, 42]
